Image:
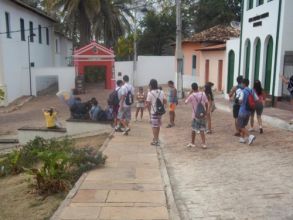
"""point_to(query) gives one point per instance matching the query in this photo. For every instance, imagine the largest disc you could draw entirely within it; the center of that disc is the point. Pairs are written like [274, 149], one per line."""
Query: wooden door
[220, 74]
[207, 73]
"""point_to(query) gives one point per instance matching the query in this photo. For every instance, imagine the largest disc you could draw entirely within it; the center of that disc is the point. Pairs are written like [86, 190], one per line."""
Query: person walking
[245, 112]
[173, 101]
[199, 103]
[211, 105]
[234, 96]
[125, 95]
[140, 103]
[258, 107]
[155, 97]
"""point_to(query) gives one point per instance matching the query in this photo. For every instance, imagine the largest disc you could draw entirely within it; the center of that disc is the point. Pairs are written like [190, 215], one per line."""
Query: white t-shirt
[124, 90]
[152, 97]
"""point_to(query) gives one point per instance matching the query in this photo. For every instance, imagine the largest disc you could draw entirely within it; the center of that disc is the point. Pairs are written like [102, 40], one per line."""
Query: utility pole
[179, 55]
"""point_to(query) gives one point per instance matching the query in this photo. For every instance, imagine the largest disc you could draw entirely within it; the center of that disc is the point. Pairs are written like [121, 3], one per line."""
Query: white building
[265, 47]
[47, 49]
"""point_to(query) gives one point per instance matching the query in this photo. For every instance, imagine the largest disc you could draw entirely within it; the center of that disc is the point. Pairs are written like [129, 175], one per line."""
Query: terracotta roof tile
[219, 33]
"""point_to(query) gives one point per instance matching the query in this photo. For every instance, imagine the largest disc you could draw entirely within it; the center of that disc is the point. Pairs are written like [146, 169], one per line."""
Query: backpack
[160, 109]
[250, 103]
[102, 116]
[200, 111]
[113, 99]
[129, 98]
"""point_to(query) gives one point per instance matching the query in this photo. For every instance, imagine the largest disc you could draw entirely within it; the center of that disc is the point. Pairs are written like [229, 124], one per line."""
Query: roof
[213, 48]
[35, 10]
[219, 33]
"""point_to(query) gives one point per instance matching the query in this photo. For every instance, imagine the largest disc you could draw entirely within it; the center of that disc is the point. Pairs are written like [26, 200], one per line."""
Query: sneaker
[261, 131]
[190, 145]
[169, 126]
[251, 139]
[208, 131]
[118, 129]
[155, 143]
[204, 146]
[242, 140]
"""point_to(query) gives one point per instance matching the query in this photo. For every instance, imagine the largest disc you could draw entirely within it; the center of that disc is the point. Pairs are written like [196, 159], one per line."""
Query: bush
[54, 164]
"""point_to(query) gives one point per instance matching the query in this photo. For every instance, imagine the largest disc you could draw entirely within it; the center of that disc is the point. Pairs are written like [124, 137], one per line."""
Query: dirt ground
[19, 202]
[229, 180]
[31, 115]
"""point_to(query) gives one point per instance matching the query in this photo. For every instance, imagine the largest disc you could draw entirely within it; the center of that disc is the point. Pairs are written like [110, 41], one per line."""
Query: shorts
[140, 105]
[125, 114]
[115, 111]
[258, 109]
[236, 109]
[198, 125]
[172, 107]
[156, 121]
[242, 121]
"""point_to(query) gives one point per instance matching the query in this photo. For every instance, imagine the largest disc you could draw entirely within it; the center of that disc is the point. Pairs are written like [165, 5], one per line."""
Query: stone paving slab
[129, 187]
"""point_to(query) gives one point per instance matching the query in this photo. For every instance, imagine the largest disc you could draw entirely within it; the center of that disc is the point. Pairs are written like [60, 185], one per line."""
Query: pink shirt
[194, 99]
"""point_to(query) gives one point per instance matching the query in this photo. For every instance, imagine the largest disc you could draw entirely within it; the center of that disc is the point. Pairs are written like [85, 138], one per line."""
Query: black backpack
[102, 116]
[113, 99]
[129, 98]
[200, 111]
[160, 109]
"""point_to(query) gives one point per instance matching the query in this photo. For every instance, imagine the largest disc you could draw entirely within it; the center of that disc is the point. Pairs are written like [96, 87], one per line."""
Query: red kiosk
[95, 54]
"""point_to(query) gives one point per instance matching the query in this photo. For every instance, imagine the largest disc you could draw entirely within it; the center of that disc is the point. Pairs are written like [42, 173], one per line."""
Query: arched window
[231, 61]
[247, 59]
[269, 61]
[257, 59]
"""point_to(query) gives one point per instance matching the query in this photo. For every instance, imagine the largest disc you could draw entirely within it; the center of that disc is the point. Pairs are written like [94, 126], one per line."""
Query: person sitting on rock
[50, 117]
[95, 109]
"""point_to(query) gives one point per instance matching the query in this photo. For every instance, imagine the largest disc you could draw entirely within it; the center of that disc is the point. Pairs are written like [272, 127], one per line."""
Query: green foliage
[2, 94]
[210, 13]
[124, 48]
[54, 164]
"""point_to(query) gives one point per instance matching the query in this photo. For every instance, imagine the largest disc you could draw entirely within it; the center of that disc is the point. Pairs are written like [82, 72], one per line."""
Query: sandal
[169, 126]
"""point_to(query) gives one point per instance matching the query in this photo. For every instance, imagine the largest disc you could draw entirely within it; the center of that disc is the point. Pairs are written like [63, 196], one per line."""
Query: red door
[220, 74]
[207, 71]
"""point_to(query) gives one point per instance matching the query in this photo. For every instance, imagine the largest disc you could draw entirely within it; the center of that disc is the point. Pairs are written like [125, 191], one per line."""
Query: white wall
[15, 51]
[65, 75]
[188, 80]
[44, 82]
[161, 68]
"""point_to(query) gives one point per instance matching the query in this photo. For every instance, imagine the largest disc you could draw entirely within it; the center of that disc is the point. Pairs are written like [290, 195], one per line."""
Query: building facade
[265, 47]
[23, 31]
[204, 56]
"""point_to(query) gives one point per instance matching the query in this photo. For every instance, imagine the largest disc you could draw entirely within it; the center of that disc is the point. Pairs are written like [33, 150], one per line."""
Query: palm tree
[113, 21]
[79, 14]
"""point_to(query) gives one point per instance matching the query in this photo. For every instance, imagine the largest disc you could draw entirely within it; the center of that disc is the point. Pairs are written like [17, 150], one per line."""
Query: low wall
[27, 134]
[188, 80]
[64, 75]
[77, 127]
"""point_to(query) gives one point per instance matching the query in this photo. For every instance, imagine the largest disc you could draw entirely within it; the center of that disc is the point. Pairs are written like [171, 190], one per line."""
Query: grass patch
[20, 199]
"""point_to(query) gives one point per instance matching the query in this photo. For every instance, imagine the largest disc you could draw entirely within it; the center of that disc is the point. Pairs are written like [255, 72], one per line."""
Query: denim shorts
[242, 121]
[125, 114]
[198, 125]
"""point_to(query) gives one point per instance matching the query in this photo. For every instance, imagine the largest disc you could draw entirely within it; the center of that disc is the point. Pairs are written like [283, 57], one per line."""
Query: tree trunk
[84, 27]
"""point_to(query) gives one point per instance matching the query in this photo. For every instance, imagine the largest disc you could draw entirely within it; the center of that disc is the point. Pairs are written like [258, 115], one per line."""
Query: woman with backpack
[155, 103]
[199, 103]
[259, 105]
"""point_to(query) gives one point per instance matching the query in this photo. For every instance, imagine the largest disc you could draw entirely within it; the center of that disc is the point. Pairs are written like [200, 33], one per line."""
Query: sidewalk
[130, 186]
[275, 117]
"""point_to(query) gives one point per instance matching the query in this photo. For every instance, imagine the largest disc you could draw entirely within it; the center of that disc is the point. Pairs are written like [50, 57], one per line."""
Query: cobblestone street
[230, 180]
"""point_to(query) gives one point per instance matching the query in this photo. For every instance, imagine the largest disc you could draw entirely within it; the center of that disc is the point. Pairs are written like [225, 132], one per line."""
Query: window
[31, 31]
[193, 62]
[47, 36]
[57, 46]
[40, 33]
[22, 31]
[7, 19]
[250, 4]
[259, 2]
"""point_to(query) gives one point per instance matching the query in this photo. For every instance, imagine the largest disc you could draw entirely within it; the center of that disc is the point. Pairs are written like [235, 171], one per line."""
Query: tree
[124, 48]
[113, 21]
[209, 13]
[158, 32]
